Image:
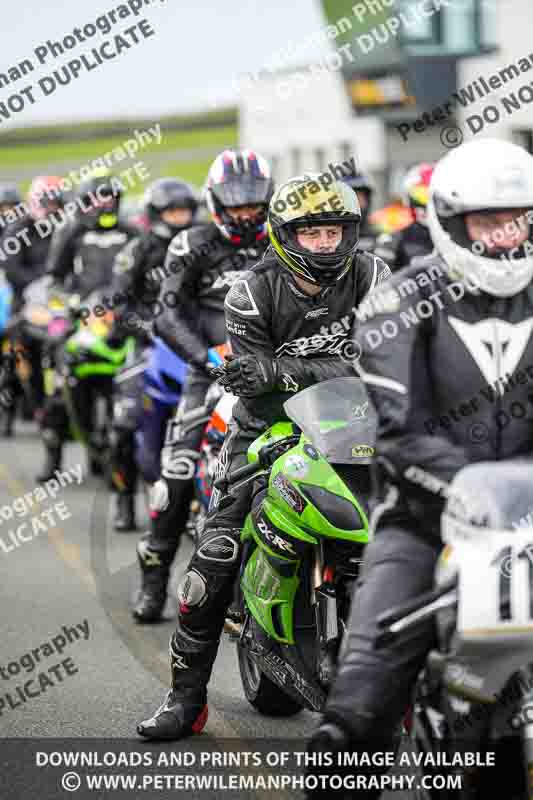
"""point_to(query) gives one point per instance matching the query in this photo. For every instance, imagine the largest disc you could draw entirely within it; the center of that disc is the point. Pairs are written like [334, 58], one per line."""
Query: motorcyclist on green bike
[289, 319]
[80, 260]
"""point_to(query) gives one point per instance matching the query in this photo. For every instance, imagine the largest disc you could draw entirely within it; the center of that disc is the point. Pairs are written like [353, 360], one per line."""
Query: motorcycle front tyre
[262, 693]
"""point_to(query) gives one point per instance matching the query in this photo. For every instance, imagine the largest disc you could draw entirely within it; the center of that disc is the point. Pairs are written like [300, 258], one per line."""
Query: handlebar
[237, 475]
[266, 457]
[402, 618]
[397, 612]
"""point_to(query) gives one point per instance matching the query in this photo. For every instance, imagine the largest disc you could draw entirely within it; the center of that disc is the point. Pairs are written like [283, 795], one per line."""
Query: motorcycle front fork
[324, 599]
[526, 736]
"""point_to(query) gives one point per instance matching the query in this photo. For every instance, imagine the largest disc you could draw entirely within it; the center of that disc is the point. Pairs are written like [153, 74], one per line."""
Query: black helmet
[239, 178]
[100, 200]
[303, 202]
[9, 195]
[164, 194]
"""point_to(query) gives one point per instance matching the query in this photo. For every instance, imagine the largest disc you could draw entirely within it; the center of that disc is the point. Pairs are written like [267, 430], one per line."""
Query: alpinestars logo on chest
[289, 384]
[495, 345]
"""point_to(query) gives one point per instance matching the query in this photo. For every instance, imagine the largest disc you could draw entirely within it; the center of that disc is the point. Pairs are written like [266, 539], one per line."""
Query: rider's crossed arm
[250, 311]
[177, 324]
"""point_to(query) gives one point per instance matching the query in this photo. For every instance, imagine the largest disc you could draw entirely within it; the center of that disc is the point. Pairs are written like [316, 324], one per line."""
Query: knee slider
[51, 437]
[192, 590]
[159, 496]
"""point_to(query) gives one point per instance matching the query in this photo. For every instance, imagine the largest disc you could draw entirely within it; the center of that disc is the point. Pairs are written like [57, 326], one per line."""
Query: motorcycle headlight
[338, 511]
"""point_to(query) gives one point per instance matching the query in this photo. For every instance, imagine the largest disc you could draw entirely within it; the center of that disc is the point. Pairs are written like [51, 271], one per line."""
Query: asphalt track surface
[82, 570]
[81, 573]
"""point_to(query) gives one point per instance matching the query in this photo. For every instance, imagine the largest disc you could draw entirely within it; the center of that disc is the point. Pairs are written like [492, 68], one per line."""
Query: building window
[320, 158]
[459, 27]
[488, 25]
[420, 30]
[465, 29]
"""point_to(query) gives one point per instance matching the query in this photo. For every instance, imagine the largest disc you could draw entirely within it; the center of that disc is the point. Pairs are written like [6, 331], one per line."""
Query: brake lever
[271, 452]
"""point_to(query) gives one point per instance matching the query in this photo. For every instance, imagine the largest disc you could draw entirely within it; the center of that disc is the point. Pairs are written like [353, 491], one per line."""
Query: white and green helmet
[308, 200]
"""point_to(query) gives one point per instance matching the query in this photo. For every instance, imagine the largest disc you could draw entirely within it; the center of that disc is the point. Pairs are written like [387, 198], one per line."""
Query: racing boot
[155, 571]
[124, 519]
[184, 711]
[54, 452]
[7, 419]
[156, 551]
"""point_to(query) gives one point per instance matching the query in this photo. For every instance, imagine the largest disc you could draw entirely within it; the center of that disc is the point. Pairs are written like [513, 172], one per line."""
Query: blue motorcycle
[163, 379]
[6, 300]
[6, 366]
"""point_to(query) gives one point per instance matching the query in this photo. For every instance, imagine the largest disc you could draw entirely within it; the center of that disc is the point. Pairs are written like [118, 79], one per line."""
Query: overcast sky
[191, 62]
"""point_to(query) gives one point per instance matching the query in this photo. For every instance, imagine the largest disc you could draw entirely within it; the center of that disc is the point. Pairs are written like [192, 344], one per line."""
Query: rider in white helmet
[481, 227]
[447, 358]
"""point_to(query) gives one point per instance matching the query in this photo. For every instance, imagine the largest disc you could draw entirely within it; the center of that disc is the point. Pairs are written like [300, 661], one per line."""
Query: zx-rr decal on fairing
[274, 539]
[289, 493]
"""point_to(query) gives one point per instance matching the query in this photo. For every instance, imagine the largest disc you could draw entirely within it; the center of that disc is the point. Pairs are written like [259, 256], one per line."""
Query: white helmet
[484, 175]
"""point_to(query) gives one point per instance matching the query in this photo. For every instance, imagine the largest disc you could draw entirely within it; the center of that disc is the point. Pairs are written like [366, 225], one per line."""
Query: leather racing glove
[249, 376]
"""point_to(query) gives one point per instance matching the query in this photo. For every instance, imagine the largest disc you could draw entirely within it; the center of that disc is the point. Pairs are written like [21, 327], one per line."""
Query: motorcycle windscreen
[339, 418]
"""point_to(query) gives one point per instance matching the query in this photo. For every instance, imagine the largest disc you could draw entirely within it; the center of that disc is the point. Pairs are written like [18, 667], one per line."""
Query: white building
[305, 118]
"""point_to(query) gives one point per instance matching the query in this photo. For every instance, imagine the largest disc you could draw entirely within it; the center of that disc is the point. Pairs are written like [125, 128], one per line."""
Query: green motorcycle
[93, 361]
[303, 542]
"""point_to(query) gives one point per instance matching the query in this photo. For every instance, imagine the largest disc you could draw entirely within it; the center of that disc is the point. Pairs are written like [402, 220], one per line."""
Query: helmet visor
[245, 190]
[326, 241]
[320, 252]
